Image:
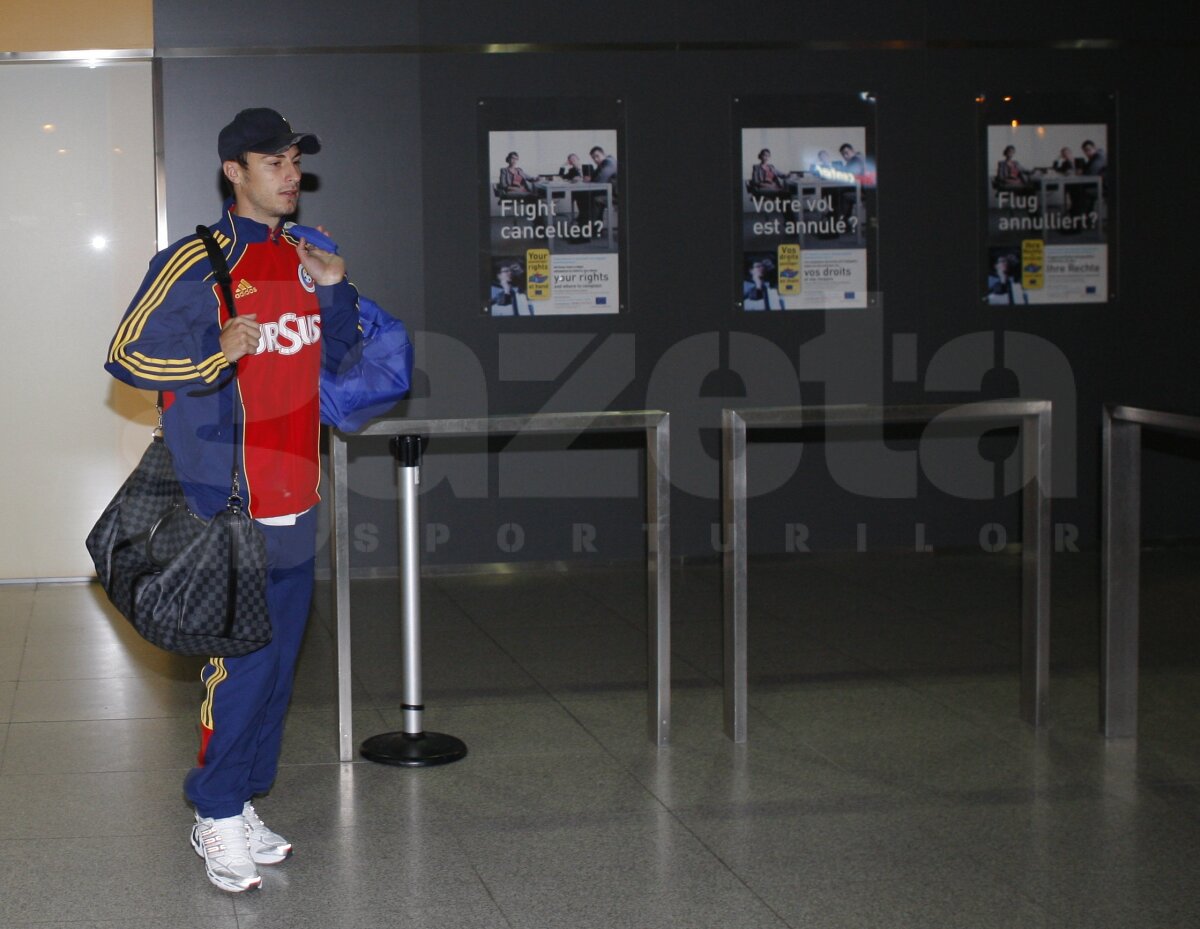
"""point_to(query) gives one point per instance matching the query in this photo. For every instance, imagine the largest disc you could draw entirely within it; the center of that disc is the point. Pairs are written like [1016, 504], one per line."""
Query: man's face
[756, 272]
[597, 156]
[267, 188]
[1089, 150]
[846, 151]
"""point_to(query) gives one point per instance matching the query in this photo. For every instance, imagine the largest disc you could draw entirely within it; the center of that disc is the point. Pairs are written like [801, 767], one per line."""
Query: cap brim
[308, 144]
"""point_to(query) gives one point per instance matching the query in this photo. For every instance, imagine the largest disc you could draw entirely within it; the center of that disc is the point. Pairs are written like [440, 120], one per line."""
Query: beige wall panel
[65, 25]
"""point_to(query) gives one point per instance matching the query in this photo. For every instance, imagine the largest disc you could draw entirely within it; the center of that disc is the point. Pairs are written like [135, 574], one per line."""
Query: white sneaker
[224, 845]
[266, 847]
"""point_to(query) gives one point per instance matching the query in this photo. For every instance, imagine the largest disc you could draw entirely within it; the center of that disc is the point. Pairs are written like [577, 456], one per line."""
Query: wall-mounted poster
[552, 179]
[1050, 199]
[806, 181]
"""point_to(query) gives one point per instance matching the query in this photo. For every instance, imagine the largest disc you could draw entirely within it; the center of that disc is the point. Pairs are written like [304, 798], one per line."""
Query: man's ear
[232, 171]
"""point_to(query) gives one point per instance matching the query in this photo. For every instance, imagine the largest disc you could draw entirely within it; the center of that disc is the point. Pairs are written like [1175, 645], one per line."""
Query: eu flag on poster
[1090, 289]
[600, 301]
[849, 295]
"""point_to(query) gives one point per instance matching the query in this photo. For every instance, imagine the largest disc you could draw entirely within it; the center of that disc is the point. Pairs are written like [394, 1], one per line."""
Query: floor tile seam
[973, 722]
[606, 617]
[487, 889]
[835, 647]
[831, 803]
[190, 715]
[619, 760]
[883, 675]
[712, 857]
[23, 646]
[641, 627]
[678, 659]
[716, 856]
[885, 593]
[527, 670]
[5, 773]
[149, 677]
[892, 784]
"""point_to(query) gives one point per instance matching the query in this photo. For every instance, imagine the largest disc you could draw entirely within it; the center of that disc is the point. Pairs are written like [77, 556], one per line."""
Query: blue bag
[373, 376]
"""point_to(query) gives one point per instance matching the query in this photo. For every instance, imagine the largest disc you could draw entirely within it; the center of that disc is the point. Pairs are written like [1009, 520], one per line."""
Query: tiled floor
[887, 781]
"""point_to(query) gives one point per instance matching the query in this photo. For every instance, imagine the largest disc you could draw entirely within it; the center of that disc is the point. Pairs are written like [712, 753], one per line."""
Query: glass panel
[79, 228]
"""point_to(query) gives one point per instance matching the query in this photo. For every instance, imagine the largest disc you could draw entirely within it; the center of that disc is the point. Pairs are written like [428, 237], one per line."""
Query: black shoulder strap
[221, 272]
[220, 267]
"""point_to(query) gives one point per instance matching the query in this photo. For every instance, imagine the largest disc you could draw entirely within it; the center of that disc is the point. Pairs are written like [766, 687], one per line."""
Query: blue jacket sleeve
[169, 337]
[339, 322]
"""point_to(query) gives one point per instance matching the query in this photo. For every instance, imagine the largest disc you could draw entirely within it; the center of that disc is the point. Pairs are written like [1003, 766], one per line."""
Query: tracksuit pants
[246, 698]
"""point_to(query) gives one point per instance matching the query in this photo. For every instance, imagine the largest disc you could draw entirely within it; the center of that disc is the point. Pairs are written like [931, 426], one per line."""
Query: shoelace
[213, 840]
[253, 820]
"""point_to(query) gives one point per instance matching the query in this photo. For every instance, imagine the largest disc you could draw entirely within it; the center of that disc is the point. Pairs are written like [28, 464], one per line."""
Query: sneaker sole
[272, 858]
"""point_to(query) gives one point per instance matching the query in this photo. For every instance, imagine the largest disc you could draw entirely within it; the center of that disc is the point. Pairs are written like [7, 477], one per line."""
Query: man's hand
[324, 267]
[239, 337]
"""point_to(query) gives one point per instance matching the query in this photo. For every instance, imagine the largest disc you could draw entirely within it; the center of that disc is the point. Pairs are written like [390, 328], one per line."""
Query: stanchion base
[413, 750]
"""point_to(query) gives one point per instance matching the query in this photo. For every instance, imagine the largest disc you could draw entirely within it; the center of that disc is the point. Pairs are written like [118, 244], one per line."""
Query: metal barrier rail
[1034, 419]
[1122, 517]
[656, 426]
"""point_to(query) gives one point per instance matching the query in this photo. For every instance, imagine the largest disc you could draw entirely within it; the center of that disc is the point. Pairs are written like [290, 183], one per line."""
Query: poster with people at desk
[551, 229]
[1049, 198]
[806, 198]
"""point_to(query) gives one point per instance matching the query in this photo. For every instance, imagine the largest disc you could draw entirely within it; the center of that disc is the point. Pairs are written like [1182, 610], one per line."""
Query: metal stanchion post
[412, 747]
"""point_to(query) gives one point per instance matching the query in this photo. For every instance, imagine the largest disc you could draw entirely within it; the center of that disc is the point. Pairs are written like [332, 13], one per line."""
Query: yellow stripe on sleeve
[162, 369]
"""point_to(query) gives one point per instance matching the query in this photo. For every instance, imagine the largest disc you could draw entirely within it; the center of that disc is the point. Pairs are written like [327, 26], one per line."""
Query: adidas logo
[244, 289]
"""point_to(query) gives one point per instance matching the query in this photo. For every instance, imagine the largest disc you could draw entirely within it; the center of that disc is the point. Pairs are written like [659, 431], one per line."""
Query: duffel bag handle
[177, 509]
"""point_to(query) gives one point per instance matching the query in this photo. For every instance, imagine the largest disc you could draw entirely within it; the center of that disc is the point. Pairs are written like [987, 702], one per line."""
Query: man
[1004, 285]
[506, 297]
[296, 311]
[573, 173]
[852, 161]
[603, 172]
[1095, 164]
[1097, 161]
[757, 290]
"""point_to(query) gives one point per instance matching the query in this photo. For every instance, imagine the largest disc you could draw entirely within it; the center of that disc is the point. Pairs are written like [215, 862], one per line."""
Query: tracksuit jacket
[169, 340]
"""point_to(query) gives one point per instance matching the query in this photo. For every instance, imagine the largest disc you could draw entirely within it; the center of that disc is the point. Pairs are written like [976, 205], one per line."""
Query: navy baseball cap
[264, 131]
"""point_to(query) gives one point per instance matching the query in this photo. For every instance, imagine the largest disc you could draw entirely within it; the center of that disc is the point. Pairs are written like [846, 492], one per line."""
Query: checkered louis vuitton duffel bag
[188, 585]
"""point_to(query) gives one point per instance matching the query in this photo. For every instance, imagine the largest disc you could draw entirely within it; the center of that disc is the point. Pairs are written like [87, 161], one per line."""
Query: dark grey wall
[398, 185]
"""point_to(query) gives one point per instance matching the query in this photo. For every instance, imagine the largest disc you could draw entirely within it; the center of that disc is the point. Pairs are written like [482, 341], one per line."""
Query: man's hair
[844, 146]
[1087, 142]
[596, 148]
